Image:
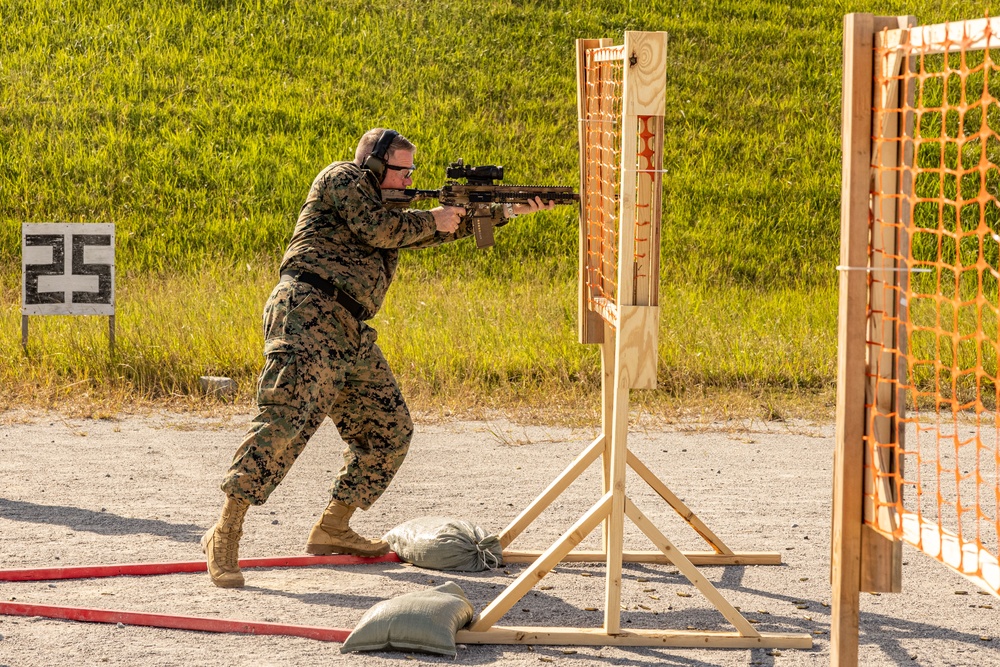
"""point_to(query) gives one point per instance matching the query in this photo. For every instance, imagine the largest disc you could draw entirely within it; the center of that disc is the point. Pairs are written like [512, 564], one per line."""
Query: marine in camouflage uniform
[321, 360]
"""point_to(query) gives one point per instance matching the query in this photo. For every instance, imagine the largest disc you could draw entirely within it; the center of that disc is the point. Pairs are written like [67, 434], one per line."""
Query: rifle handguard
[477, 193]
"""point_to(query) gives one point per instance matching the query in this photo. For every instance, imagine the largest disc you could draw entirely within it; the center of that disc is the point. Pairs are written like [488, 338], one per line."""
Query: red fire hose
[137, 569]
[174, 621]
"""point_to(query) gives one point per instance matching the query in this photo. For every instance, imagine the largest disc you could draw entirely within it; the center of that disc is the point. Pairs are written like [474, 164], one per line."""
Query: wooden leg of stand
[524, 583]
[686, 568]
[690, 517]
[616, 518]
[607, 415]
[538, 505]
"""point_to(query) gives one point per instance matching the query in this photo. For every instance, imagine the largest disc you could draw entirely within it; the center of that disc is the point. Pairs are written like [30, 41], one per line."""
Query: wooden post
[24, 333]
[849, 452]
[616, 519]
[642, 94]
[607, 415]
[881, 553]
[111, 334]
[908, 163]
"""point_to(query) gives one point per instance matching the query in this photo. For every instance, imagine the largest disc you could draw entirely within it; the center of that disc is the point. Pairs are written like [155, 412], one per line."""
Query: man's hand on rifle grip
[447, 218]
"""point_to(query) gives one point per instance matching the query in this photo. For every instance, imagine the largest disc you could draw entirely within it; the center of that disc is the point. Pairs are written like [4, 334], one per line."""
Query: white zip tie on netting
[652, 171]
[872, 269]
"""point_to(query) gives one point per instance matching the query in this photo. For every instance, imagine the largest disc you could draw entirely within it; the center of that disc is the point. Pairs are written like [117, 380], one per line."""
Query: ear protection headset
[376, 160]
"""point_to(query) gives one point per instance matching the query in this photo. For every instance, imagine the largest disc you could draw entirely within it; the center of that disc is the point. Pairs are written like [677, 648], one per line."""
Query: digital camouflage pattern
[319, 360]
[346, 236]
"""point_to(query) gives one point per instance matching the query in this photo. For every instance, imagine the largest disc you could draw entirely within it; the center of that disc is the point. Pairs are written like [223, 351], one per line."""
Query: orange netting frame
[602, 212]
[932, 426]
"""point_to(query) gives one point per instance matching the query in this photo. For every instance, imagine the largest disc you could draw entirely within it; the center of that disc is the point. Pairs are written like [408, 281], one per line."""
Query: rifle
[477, 193]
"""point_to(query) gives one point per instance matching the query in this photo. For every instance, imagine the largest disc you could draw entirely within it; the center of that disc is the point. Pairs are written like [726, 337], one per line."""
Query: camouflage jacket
[346, 236]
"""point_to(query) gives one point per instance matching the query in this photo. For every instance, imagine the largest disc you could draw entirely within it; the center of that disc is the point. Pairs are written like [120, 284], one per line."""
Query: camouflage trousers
[320, 361]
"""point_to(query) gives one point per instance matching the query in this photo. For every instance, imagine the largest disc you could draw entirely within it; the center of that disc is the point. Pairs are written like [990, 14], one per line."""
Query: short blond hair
[367, 144]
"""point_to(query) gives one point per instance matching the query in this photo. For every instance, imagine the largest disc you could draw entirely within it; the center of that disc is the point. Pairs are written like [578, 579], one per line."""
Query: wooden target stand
[628, 359]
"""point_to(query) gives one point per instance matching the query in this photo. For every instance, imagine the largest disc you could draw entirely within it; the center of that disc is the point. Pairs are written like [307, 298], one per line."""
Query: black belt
[340, 296]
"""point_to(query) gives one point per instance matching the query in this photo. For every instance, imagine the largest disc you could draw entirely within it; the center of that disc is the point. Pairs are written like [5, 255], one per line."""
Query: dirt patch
[144, 488]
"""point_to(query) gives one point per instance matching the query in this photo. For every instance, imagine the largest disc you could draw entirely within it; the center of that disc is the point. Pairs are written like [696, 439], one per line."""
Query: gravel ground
[145, 488]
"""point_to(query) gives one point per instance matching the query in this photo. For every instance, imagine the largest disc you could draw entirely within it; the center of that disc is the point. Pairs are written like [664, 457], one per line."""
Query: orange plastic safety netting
[932, 426]
[604, 151]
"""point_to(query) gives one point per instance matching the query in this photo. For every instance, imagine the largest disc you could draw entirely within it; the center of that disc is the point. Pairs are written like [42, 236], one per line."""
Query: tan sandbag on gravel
[440, 543]
[422, 621]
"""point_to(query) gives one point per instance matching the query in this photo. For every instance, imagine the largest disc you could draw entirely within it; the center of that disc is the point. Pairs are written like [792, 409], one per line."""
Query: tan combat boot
[332, 535]
[221, 544]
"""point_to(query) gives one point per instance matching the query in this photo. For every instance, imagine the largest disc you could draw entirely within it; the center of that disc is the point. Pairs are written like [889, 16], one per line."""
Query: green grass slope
[197, 128]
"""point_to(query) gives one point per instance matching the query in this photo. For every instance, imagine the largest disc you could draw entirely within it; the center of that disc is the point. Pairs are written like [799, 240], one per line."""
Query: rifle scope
[484, 174]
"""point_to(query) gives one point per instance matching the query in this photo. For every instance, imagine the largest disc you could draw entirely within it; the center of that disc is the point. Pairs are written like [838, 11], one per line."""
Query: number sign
[68, 269]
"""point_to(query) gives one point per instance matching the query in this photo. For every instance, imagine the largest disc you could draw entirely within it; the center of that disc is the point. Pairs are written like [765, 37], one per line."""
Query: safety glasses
[407, 171]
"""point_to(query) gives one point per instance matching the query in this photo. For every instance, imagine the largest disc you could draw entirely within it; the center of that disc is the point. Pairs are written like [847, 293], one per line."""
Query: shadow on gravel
[362, 602]
[546, 608]
[889, 633]
[658, 656]
[102, 523]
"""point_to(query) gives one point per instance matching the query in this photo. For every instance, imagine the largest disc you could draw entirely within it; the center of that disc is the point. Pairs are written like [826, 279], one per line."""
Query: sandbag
[422, 621]
[440, 543]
